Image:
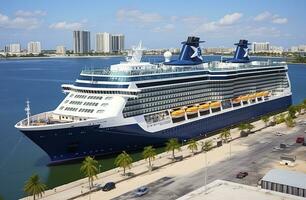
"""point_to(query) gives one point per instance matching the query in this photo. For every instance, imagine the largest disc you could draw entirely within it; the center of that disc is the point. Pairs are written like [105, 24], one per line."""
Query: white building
[285, 181]
[117, 43]
[103, 42]
[15, 48]
[223, 190]
[81, 42]
[34, 47]
[276, 49]
[61, 50]
[258, 47]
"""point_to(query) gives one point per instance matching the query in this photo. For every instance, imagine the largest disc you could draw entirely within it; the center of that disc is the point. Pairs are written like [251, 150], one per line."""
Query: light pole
[230, 149]
[99, 168]
[206, 171]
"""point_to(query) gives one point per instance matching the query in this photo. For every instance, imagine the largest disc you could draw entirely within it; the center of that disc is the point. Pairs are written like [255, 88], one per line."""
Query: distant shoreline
[64, 57]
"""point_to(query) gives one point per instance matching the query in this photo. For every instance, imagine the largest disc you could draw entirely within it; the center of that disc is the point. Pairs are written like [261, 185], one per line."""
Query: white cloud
[137, 16]
[280, 20]
[230, 19]
[263, 16]
[67, 26]
[226, 22]
[192, 20]
[267, 16]
[166, 28]
[23, 13]
[19, 22]
[262, 31]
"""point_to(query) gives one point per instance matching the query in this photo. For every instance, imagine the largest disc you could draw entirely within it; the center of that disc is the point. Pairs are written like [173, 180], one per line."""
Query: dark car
[300, 140]
[141, 191]
[241, 175]
[109, 186]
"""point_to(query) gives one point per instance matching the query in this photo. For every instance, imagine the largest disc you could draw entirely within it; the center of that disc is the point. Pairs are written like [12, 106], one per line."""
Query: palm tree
[289, 121]
[173, 145]
[149, 154]
[225, 134]
[265, 119]
[34, 187]
[292, 111]
[124, 160]
[192, 146]
[249, 127]
[207, 145]
[89, 169]
[242, 127]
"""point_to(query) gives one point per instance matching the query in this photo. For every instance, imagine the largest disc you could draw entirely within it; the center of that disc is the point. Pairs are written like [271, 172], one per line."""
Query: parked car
[241, 175]
[141, 191]
[109, 186]
[279, 134]
[300, 140]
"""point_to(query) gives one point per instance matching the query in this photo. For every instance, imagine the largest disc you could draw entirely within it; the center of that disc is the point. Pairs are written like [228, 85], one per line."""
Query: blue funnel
[190, 53]
[241, 53]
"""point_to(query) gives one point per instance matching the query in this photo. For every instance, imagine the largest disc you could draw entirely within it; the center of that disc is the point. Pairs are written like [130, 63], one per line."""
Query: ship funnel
[241, 53]
[190, 53]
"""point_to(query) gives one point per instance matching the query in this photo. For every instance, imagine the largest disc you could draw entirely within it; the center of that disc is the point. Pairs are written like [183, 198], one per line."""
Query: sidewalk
[163, 164]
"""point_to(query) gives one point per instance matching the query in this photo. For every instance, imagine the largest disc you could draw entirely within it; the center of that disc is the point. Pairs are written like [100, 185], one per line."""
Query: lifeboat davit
[204, 107]
[178, 113]
[192, 110]
[215, 104]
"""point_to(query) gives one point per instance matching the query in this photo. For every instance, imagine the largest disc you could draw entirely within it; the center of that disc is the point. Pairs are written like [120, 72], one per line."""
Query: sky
[158, 23]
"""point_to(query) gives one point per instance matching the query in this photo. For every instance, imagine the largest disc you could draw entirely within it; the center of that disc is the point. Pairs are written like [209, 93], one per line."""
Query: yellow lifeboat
[266, 93]
[215, 104]
[252, 96]
[178, 113]
[245, 98]
[204, 106]
[259, 94]
[192, 110]
[237, 100]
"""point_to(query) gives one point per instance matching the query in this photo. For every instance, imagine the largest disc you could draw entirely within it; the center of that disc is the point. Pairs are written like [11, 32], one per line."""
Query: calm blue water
[39, 80]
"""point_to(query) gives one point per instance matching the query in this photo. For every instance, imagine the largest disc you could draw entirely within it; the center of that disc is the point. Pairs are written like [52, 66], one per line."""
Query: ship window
[108, 98]
[100, 111]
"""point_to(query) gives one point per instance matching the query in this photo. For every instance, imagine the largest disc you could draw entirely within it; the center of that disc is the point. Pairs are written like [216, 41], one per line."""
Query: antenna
[28, 111]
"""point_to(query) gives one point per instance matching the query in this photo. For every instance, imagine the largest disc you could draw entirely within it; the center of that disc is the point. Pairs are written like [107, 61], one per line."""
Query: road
[256, 160]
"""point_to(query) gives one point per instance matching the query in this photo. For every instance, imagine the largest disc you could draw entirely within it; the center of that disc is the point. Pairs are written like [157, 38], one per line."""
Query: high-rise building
[103, 42]
[117, 42]
[15, 48]
[81, 41]
[258, 47]
[61, 50]
[34, 47]
[6, 49]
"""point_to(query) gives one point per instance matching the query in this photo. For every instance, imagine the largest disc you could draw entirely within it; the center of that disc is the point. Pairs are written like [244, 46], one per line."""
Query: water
[39, 80]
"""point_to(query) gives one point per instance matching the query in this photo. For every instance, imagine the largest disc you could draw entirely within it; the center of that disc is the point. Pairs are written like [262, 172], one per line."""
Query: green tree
[207, 145]
[89, 168]
[149, 154]
[289, 121]
[292, 111]
[34, 187]
[192, 145]
[225, 135]
[249, 127]
[124, 161]
[265, 119]
[173, 145]
[242, 127]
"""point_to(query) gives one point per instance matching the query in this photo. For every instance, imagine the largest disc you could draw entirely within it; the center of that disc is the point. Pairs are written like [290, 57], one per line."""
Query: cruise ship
[135, 104]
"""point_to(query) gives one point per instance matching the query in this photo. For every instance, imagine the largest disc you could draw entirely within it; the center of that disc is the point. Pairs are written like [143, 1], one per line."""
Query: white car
[279, 134]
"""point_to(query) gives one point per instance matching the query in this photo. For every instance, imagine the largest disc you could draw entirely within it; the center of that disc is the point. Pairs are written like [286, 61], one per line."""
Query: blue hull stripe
[72, 143]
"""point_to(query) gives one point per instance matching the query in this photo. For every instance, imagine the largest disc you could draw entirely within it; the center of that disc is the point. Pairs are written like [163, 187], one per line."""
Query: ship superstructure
[134, 104]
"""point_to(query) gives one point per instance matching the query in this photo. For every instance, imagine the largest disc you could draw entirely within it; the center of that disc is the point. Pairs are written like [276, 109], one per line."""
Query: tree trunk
[173, 154]
[150, 167]
[34, 195]
[123, 171]
[89, 182]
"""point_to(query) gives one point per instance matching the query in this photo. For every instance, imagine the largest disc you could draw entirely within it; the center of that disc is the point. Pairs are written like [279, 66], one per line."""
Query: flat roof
[286, 177]
[221, 190]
